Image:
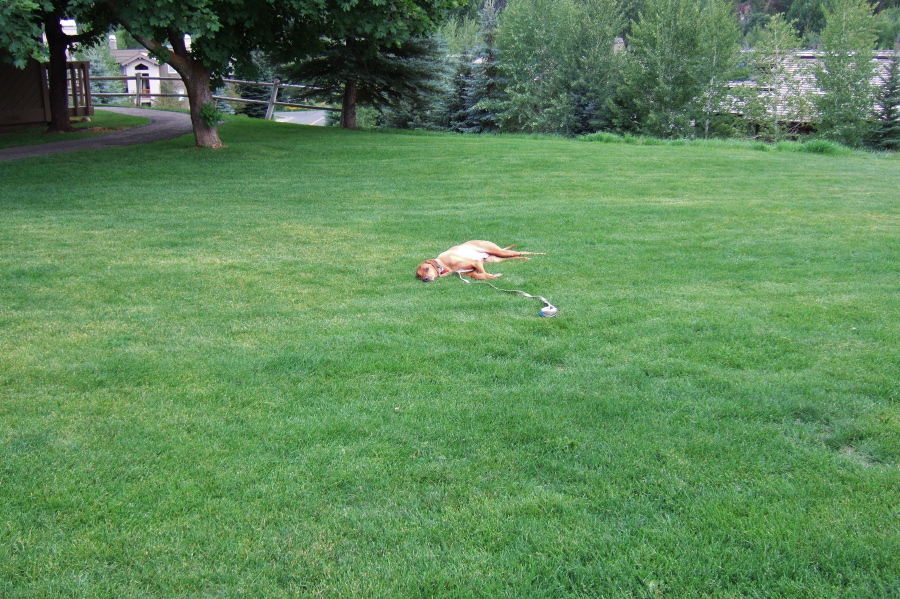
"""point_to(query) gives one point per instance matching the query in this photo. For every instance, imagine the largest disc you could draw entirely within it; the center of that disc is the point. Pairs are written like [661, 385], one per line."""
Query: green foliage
[886, 130]
[809, 16]
[385, 75]
[456, 101]
[824, 146]
[485, 89]
[679, 56]
[844, 77]
[887, 24]
[377, 54]
[102, 65]
[257, 67]
[220, 30]
[20, 32]
[557, 59]
[124, 40]
[814, 146]
[718, 62]
[460, 34]
[22, 26]
[211, 114]
[658, 81]
[776, 99]
[385, 23]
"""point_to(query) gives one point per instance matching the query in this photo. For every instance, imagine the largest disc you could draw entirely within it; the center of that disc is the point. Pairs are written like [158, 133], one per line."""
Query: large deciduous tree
[679, 52]
[20, 31]
[847, 99]
[222, 32]
[778, 99]
[558, 59]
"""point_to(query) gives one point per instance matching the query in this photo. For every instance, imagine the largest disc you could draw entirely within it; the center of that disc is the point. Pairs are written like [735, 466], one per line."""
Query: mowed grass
[101, 122]
[219, 377]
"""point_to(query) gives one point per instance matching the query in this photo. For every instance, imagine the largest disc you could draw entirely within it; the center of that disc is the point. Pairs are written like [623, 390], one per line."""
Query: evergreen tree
[455, 107]
[886, 132]
[258, 67]
[363, 72]
[102, 65]
[845, 75]
[484, 89]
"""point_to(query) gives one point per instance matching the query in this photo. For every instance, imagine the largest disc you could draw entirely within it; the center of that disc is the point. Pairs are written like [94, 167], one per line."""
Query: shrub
[824, 146]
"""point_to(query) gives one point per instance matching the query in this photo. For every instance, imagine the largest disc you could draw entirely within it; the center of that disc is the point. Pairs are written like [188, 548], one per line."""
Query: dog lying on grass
[468, 259]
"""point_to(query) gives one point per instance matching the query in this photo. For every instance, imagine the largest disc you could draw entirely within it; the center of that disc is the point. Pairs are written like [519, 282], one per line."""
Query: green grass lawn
[219, 377]
[101, 123]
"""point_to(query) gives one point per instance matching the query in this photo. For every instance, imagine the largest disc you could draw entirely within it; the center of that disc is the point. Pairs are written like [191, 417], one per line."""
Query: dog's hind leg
[495, 250]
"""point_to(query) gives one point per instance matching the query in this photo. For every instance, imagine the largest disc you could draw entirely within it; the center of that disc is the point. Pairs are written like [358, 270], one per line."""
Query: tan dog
[468, 259]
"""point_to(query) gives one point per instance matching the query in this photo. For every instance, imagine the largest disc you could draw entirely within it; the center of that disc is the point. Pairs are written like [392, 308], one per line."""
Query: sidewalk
[163, 125]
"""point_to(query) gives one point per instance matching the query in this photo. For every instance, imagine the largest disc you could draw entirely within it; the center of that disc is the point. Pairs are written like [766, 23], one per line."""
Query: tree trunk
[59, 90]
[196, 81]
[348, 107]
[196, 77]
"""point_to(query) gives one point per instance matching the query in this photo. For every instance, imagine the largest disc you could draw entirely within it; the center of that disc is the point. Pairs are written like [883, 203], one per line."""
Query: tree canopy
[21, 24]
[846, 71]
[225, 32]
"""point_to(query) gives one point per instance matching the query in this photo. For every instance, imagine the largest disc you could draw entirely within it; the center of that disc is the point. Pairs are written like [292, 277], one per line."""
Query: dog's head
[427, 271]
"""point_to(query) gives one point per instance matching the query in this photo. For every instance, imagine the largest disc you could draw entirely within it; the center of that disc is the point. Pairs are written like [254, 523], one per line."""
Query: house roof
[800, 78]
[127, 57]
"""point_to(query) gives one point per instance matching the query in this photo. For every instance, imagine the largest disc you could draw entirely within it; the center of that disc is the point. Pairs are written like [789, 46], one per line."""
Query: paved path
[302, 117]
[163, 125]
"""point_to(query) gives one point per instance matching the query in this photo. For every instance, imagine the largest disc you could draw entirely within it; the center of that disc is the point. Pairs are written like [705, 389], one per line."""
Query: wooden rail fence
[143, 94]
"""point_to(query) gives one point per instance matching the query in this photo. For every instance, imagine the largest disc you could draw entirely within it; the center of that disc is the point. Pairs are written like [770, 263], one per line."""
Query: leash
[548, 311]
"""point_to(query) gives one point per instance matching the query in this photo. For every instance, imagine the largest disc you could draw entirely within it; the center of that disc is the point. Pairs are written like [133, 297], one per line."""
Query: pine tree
[886, 132]
[484, 89]
[361, 72]
[102, 65]
[455, 106]
[257, 68]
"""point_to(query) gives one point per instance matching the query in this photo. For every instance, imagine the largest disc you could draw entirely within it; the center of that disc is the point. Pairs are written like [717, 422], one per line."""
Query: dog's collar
[442, 270]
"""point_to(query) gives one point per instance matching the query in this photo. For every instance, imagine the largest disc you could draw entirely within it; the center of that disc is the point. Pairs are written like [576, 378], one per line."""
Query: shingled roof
[800, 68]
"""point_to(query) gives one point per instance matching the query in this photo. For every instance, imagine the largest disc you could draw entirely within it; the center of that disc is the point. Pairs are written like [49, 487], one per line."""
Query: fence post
[272, 98]
[137, 90]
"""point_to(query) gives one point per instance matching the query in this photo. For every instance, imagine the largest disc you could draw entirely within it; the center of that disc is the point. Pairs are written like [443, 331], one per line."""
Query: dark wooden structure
[25, 95]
